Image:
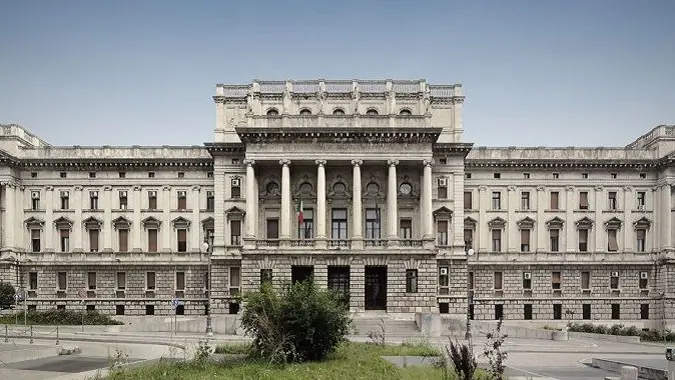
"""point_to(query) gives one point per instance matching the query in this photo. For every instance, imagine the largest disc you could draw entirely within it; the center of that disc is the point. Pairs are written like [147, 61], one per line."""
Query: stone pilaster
[667, 207]
[195, 226]
[106, 228]
[250, 218]
[166, 230]
[598, 226]
[392, 204]
[571, 243]
[9, 221]
[136, 224]
[481, 227]
[511, 232]
[357, 206]
[426, 211]
[321, 204]
[541, 229]
[48, 203]
[286, 201]
[629, 237]
[76, 240]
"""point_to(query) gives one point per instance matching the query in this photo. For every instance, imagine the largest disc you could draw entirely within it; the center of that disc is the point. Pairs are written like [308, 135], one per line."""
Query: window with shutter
[181, 235]
[468, 200]
[123, 237]
[525, 240]
[555, 200]
[235, 232]
[585, 280]
[556, 280]
[498, 280]
[612, 244]
[583, 200]
[152, 240]
[93, 240]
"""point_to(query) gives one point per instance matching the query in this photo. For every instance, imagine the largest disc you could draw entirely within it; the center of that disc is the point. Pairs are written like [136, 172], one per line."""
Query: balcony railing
[302, 243]
[374, 242]
[268, 243]
[339, 243]
[410, 243]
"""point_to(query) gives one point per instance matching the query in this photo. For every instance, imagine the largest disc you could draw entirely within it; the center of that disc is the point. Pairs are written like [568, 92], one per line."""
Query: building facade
[365, 186]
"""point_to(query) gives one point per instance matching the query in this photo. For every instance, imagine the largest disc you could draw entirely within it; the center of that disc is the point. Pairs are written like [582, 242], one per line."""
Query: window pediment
[34, 223]
[526, 223]
[584, 224]
[121, 223]
[497, 223]
[270, 188]
[470, 223]
[642, 224]
[63, 223]
[442, 213]
[92, 223]
[555, 223]
[305, 188]
[180, 223]
[339, 188]
[151, 222]
[614, 223]
[235, 213]
[208, 223]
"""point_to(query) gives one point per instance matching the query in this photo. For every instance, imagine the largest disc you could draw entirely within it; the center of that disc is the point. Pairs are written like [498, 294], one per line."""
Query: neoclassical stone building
[365, 186]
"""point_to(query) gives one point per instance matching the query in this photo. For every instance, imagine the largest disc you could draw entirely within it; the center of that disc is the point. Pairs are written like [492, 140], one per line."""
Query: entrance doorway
[376, 287]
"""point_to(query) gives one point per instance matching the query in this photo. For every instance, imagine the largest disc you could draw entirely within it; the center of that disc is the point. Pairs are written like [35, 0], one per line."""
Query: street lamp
[208, 247]
[469, 297]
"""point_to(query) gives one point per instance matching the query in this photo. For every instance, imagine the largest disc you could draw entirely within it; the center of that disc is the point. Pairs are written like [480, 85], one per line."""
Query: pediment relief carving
[555, 223]
[270, 187]
[339, 188]
[442, 213]
[497, 223]
[180, 223]
[234, 213]
[34, 223]
[642, 224]
[470, 223]
[584, 223]
[92, 223]
[63, 223]
[526, 223]
[613, 223]
[151, 222]
[121, 223]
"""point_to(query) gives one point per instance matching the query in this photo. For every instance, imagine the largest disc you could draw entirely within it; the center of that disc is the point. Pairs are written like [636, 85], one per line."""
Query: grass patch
[60, 317]
[350, 361]
[233, 348]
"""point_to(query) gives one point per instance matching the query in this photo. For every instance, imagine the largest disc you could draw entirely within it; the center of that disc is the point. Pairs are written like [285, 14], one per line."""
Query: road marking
[532, 373]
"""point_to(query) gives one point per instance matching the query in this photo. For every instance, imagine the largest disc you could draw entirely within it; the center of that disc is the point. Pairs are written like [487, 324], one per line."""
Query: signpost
[83, 296]
[175, 302]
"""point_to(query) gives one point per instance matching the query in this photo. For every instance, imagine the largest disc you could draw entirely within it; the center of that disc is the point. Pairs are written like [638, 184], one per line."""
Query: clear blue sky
[536, 72]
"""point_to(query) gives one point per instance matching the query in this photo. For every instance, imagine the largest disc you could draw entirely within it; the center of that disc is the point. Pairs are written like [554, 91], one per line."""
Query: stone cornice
[561, 164]
[216, 149]
[110, 163]
[452, 148]
[339, 135]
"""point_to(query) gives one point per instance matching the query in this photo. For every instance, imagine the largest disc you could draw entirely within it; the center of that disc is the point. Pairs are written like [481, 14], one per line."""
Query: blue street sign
[175, 302]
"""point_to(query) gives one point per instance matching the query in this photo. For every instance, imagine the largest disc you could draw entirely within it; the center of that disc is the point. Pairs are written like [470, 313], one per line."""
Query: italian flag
[299, 207]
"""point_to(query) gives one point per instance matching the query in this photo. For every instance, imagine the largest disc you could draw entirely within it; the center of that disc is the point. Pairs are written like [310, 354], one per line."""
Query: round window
[306, 188]
[373, 188]
[339, 187]
[272, 188]
[405, 188]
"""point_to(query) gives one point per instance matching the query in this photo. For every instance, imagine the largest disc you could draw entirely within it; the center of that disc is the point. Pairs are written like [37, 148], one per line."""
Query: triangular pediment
[555, 223]
[443, 212]
[235, 213]
[642, 223]
[584, 223]
[63, 223]
[613, 223]
[470, 222]
[180, 223]
[92, 223]
[34, 222]
[151, 222]
[497, 223]
[121, 222]
[208, 223]
[526, 223]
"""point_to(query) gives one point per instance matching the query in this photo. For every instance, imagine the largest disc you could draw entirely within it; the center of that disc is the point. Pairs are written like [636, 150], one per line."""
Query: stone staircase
[392, 327]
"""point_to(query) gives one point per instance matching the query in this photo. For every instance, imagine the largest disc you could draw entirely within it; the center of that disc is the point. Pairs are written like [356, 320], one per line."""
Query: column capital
[628, 189]
[320, 162]
[284, 162]
[137, 188]
[248, 162]
[569, 188]
[357, 162]
[541, 188]
[392, 162]
[49, 188]
[78, 188]
[430, 162]
[598, 188]
[107, 188]
[196, 187]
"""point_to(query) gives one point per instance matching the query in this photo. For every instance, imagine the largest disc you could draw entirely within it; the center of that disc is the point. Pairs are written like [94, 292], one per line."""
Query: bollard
[31, 334]
[6, 335]
[57, 335]
[629, 373]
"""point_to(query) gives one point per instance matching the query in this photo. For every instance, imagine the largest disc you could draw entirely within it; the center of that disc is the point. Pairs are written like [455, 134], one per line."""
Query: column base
[249, 242]
[285, 242]
[357, 243]
[320, 243]
[392, 242]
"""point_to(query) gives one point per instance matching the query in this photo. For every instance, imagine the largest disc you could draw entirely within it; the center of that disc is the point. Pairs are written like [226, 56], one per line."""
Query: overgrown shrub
[61, 317]
[463, 360]
[301, 323]
[619, 329]
[6, 295]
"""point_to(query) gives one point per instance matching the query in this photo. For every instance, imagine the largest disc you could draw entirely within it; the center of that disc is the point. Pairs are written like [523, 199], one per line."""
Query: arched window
[405, 112]
[338, 111]
[371, 112]
[305, 111]
[272, 112]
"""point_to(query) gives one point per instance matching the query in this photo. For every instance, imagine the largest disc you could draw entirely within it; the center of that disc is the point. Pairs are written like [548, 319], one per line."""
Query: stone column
[512, 231]
[357, 207]
[167, 228]
[629, 236]
[196, 224]
[571, 243]
[106, 227]
[9, 223]
[76, 240]
[541, 222]
[49, 220]
[482, 230]
[285, 221]
[136, 225]
[321, 204]
[426, 211]
[598, 225]
[392, 204]
[250, 219]
[667, 207]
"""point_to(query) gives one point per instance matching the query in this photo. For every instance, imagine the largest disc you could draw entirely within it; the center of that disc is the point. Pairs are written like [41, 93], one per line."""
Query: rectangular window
[554, 235]
[555, 175]
[306, 228]
[63, 175]
[62, 281]
[466, 175]
[123, 239]
[527, 311]
[411, 280]
[641, 240]
[235, 189]
[497, 175]
[234, 280]
[272, 228]
[525, 200]
[405, 229]
[442, 232]
[181, 237]
[612, 244]
[526, 175]
[556, 280]
[152, 240]
[373, 231]
[151, 174]
[181, 174]
[586, 311]
[122, 174]
[182, 200]
[235, 232]
[150, 281]
[616, 311]
[444, 276]
[93, 240]
[468, 238]
[496, 200]
[210, 201]
[584, 175]
[35, 240]
[442, 188]
[32, 281]
[92, 174]
[65, 200]
[644, 280]
[498, 281]
[124, 200]
[583, 200]
[555, 200]
[265, 276]
[496, 240]
[91, 280]
[339, 224]
[468, 200]
[614, 281]
[524, 240]
[583, 240]
[93, 200]
[585, 280]
[527, 280]
[641, 200]
[35, 200]
[644, 311]
[499, 311]
[612, 200]
[150, 309]
[64, 239]
[152, 200]
[557, 311]
[180, 281]
[121, 280]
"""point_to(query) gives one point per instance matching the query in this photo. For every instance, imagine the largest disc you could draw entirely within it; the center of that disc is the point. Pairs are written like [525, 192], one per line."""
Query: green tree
[7, 292]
